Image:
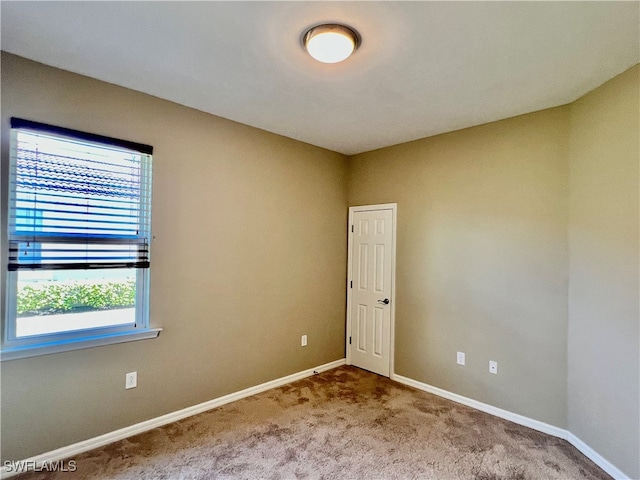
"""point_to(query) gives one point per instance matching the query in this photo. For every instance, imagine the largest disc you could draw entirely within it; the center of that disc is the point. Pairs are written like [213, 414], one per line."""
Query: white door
[370, 288]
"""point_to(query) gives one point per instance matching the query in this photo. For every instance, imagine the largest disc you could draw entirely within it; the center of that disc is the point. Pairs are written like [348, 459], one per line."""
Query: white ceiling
[423, 67]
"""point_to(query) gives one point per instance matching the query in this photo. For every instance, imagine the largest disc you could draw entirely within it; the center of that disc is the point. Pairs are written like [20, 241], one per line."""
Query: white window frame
[21, 347]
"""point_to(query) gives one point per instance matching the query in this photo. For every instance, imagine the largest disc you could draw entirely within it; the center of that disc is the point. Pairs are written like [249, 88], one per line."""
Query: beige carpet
[341, 424]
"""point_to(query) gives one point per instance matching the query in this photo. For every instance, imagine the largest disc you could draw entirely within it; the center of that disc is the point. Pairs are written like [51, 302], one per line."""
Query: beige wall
[481, 258]
[249, 254]
[604, 352]
[517, 242]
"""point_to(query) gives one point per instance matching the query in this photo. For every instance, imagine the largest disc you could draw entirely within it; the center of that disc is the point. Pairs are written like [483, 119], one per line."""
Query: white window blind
[77, 200]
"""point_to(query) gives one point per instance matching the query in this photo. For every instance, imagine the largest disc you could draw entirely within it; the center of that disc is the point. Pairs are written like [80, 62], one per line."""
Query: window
[79, 236]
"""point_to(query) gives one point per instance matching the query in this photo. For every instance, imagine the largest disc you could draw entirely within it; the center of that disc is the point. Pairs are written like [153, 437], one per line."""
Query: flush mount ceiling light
[330, 42]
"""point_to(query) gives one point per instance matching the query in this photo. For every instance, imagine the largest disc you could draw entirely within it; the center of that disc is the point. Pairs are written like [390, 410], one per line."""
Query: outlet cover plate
[131, 380]
[460, 359]
[303, 341]
[493, 367]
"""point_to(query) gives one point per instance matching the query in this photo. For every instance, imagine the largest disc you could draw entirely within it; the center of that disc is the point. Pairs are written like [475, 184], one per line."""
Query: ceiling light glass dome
[331, 43]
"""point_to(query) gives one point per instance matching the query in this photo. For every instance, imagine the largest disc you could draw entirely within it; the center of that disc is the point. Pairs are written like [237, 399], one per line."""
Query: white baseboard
[101, 440]
[596, 458]
[590, 453]
[484, 407]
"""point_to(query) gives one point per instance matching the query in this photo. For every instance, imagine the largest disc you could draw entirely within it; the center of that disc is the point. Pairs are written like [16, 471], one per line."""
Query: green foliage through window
[75, 297]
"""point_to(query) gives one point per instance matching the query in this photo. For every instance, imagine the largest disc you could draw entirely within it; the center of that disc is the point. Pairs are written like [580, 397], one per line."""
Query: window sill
[15, 353]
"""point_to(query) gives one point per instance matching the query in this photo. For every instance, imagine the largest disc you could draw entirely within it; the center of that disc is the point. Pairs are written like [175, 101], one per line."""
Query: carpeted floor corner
[342, 424]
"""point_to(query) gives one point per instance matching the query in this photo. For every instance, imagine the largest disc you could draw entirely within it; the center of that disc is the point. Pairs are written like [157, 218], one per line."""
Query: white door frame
[394, 213]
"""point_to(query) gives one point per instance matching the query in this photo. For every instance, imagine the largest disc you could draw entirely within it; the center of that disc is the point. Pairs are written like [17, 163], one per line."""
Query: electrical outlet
[493, 367]
[131, 380]
[303, 341]
[460, 360]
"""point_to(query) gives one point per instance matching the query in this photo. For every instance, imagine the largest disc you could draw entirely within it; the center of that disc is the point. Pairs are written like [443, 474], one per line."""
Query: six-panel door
[371, 290]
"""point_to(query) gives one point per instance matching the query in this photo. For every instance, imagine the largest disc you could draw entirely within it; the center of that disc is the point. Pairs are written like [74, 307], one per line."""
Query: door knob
[385, 301]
